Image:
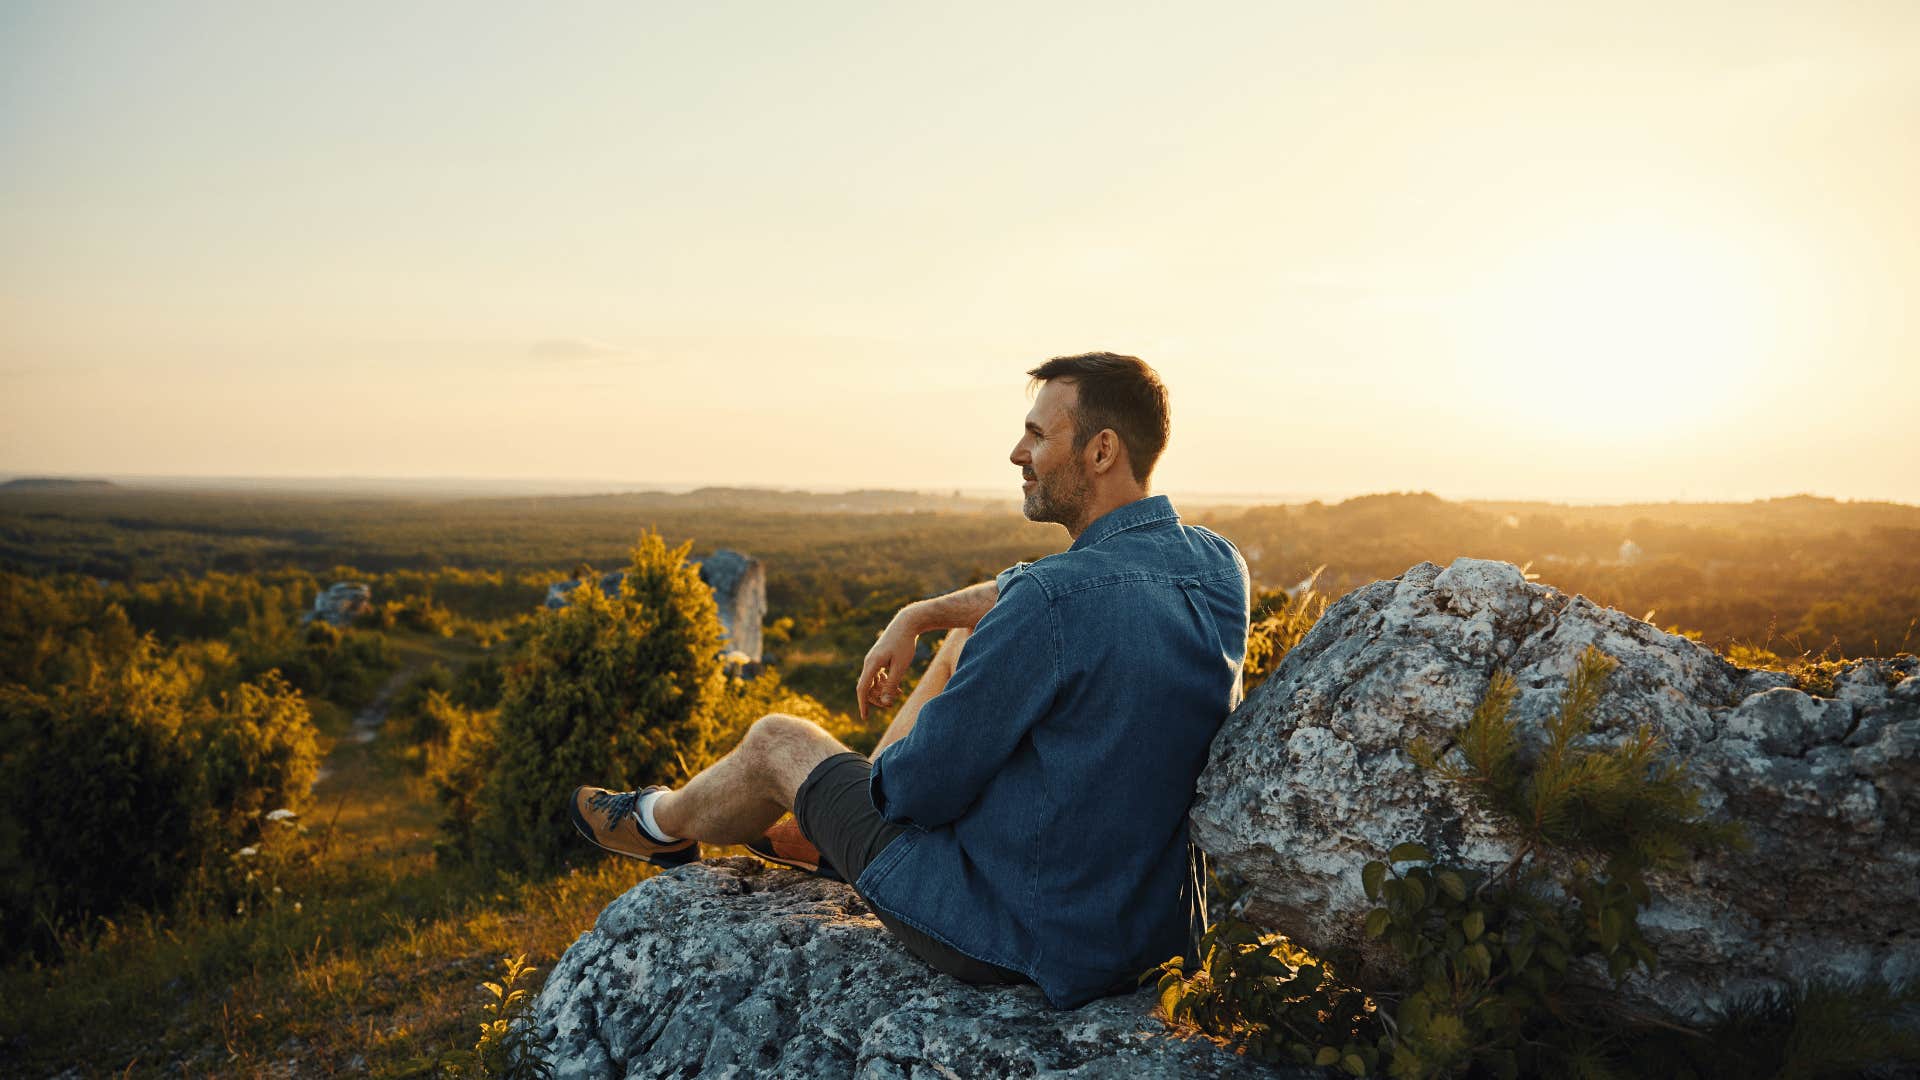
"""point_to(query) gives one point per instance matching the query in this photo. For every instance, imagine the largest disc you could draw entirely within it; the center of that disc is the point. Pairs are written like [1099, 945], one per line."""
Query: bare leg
[733, 800]
[939, 670]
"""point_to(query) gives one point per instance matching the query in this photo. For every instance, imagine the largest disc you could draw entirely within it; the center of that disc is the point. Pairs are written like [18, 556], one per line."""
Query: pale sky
[1660, 250]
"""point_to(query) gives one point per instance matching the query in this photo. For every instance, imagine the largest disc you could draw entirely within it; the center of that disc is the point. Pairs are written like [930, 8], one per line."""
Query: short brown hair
[1118, 392]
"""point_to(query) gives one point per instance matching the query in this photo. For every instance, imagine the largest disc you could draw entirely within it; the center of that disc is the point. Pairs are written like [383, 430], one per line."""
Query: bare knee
[777, 736]
[779, 729]
[786, 748]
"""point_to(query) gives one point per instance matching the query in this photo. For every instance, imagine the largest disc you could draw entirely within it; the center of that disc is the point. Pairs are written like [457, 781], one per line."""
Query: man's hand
[889, 658]
[887, 664]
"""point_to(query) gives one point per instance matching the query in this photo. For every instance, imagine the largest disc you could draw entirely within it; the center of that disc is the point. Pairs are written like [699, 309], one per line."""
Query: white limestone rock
[1309, 779]
[733, 968]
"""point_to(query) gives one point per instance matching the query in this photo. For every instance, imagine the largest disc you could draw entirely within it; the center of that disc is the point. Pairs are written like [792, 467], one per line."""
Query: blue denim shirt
[1048, 785]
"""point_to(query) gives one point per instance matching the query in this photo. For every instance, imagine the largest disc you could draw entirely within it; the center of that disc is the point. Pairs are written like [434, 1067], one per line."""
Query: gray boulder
[340, 602]
[733, 968]
[739, 584]
[1309, 779]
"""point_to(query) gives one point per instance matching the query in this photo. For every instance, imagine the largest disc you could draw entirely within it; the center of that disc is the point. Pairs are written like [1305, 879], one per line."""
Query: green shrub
[127, 784]
[510, 1046]
[458, 767]
[344, 666]
[408, 719]
[1280, 620]
[481, 683]
[53, 630]
[617, 691]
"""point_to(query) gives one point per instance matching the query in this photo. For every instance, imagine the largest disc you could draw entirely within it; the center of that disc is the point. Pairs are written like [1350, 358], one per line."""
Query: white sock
[643, 813]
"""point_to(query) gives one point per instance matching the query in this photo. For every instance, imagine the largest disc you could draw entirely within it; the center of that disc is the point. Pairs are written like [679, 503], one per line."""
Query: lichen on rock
[1310, 779]
[733, 968]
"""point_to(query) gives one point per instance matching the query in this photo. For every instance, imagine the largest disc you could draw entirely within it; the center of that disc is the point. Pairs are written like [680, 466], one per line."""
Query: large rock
[1309, 779]
[340, 603]
[739, 584]
[732, 968]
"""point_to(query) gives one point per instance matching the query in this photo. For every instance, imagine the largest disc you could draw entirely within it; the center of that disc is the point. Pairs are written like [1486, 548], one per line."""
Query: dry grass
[368, 960]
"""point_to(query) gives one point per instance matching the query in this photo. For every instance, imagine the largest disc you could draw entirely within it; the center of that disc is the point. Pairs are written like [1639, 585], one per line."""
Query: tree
[617, 691]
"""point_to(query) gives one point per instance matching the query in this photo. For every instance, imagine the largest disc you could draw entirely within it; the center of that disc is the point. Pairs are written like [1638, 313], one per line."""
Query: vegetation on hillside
[207, 870]
[133, 782]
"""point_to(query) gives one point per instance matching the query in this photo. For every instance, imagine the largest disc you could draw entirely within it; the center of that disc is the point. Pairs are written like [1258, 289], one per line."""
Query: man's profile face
[1056, 487]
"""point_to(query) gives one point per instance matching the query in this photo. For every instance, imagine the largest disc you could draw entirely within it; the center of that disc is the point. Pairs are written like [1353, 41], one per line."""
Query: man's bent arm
[887, 661]
[958, 610]
[1005, 682]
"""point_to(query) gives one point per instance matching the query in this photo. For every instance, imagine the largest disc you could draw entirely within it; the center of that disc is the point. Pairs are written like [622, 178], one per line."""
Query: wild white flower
[276, 890]
[247, 852]
[282, 814]
[296, 907]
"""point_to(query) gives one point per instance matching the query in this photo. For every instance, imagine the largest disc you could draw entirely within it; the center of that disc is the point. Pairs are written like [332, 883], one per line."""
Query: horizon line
[506, 487]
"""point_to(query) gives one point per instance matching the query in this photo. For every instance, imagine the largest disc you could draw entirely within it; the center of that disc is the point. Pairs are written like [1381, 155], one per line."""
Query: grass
[368, 957]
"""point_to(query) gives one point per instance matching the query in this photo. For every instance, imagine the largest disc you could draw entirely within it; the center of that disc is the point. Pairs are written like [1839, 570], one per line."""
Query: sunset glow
[1629, 329]
[1627, 251]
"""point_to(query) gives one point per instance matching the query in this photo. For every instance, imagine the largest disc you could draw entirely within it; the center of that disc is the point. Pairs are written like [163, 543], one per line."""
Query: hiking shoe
[606, 818]
[785, 844]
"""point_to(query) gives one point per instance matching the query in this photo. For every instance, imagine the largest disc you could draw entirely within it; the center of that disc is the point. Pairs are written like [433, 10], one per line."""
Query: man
[1024, 817]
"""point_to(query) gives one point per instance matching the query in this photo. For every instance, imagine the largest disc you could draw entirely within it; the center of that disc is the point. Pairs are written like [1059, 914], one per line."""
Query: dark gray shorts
[835, 810]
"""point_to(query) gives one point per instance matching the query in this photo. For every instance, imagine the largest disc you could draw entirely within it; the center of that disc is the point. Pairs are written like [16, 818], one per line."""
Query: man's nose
[1019, 455]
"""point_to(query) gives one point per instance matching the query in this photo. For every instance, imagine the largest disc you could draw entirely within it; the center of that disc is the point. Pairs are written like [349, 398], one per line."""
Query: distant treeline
[1799, 574]
[1791, 575]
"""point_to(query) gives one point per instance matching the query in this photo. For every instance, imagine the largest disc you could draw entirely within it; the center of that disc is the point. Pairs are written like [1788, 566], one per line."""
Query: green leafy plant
[1280, 1002]
[509, 1047]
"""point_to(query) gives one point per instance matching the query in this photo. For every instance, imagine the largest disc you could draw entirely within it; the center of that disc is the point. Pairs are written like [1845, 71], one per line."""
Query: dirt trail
[367, 722]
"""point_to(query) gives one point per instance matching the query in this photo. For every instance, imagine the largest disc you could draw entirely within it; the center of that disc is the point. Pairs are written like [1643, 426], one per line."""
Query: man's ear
[1106, 450]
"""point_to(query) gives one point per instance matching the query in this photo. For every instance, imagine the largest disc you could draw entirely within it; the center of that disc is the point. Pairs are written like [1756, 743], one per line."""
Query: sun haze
[1639, 251]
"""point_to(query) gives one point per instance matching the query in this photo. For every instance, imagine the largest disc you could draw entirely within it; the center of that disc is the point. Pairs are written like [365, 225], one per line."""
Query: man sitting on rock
[1025, 815]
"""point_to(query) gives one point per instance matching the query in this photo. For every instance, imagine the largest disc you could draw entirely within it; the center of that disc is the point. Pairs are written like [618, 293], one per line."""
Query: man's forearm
[956, 610]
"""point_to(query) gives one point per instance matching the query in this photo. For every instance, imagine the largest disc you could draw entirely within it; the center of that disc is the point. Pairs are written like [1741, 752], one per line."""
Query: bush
[618, 691]
[124, 786]
[458, 765]
[51, 630]
[410, 719]
[1280, 620]
[344, 666]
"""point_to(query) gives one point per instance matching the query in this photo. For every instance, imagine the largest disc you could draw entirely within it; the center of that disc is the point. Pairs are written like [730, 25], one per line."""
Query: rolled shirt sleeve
[1005, 683]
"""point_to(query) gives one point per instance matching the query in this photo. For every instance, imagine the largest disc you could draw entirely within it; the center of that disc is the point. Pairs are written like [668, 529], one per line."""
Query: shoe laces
[617, 805]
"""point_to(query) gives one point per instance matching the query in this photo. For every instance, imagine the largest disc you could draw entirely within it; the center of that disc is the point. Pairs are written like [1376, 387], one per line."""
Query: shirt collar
[1152, 510]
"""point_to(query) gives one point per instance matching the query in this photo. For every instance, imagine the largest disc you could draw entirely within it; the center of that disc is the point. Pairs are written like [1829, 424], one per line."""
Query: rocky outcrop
[739, 584]
[340, 602]
[1309, 779]
[733, 968]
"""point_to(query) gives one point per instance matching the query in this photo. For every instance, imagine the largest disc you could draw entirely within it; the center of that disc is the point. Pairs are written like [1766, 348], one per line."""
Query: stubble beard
[1060, 498]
